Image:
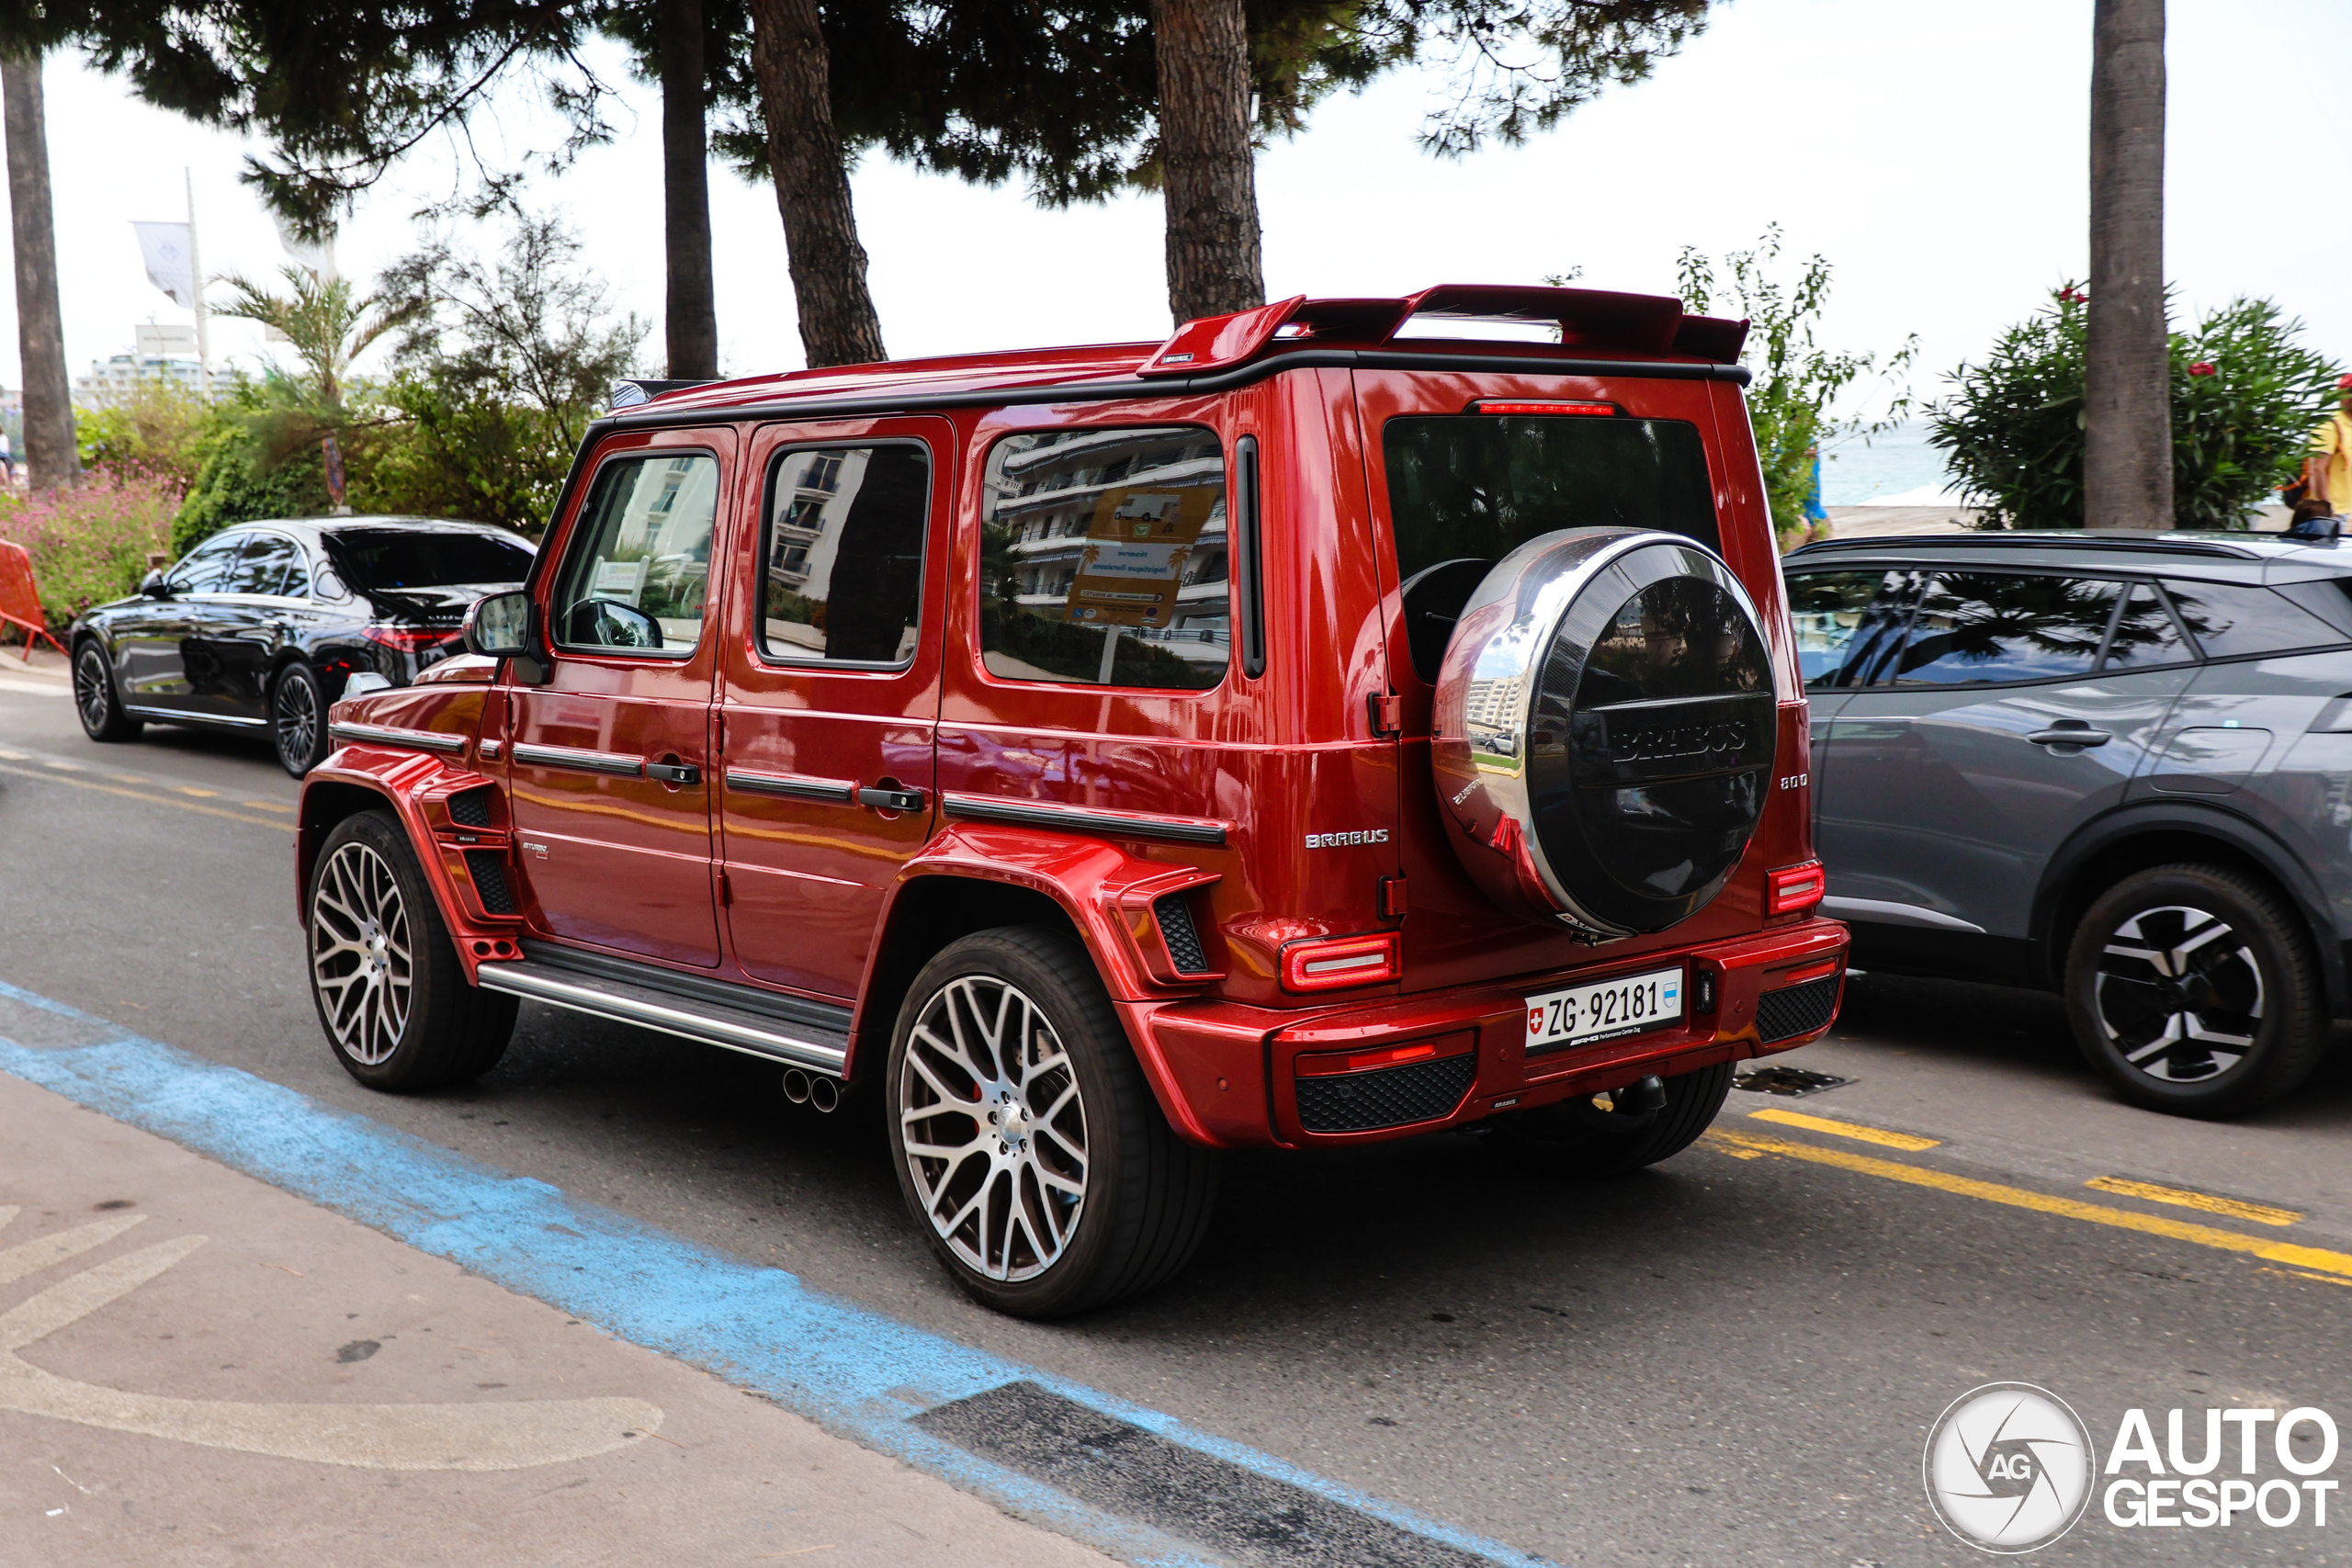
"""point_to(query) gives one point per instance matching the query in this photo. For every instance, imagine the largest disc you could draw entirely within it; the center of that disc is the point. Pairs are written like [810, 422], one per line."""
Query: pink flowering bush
[90, 541]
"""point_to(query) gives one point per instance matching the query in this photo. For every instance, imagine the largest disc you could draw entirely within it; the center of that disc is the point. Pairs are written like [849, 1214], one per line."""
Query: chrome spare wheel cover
[1606, 726]
[994, 1128]
[2179, 994]
[360, 955]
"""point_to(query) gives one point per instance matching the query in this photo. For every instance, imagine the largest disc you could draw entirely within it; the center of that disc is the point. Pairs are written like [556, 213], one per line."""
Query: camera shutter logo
[2008, 1467]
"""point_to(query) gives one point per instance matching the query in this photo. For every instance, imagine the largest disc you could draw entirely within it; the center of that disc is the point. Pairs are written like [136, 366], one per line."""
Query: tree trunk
[2127, 381]
[691, 319]
[837, 321]
[1208, 170]
[50, 456]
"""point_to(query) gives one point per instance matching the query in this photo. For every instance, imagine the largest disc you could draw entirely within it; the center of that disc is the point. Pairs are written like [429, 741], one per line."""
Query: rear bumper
[1229, 1076]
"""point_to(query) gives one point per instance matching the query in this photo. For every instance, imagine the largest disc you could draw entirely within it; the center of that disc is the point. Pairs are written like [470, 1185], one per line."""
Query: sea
[1894, 468]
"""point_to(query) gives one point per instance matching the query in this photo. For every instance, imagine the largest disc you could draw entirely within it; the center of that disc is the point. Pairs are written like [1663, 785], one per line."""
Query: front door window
[639, 576]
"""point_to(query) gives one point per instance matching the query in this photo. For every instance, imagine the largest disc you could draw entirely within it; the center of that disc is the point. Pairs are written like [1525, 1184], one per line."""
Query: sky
[1935, 154]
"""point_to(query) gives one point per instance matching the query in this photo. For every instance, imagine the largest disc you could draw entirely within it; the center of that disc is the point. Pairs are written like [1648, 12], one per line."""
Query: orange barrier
[19, 603]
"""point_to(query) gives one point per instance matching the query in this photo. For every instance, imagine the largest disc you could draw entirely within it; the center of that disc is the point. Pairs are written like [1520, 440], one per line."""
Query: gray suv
[2119, 766]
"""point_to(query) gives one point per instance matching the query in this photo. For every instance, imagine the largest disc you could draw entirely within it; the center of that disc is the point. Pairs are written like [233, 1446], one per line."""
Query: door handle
[2069, 735]
[673, 772]
[891, 799]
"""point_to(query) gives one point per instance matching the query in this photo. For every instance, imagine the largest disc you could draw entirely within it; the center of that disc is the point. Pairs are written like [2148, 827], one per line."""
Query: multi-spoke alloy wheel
[390, 992]
[995, 1127]
[294, 717]
[94, 696]
[361, 960]
[2195, 988]
[1028, 1144]
[2179, 993]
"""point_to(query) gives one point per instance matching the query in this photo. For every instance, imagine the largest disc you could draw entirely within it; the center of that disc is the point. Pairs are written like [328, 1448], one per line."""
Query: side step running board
[697, 1017]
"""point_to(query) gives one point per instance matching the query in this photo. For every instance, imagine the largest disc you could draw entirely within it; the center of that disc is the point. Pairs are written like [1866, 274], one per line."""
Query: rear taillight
[1794, 887]
[1331, 1064]
[410, 639]
[1548, 407]
[1333, 962]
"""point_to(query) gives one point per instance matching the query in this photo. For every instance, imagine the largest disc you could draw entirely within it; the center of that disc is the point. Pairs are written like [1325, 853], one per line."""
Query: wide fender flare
[402, 780]
[1107, 893]
[2188, 814]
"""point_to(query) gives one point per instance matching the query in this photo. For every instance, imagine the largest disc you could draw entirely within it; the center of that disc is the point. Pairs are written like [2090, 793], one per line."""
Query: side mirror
[499, 625]
[155, 585]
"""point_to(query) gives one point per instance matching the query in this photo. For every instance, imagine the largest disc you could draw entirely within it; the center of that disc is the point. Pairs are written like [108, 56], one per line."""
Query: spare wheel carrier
[1606, 726]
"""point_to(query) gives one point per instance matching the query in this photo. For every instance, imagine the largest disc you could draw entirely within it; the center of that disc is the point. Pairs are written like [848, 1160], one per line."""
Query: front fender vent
[470, 808]
[488, 868]
[1184, 937]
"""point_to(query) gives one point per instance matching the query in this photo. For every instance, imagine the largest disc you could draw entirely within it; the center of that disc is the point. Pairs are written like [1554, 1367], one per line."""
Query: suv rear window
[396, 557]
[1988, 627]
[2231, 620]
[1479, 485]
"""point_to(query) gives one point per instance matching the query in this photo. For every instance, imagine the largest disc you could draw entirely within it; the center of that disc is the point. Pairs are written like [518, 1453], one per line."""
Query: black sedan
[258, 628]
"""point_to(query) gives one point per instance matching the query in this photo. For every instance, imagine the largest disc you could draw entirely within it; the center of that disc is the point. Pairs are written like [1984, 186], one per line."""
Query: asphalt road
[1734, 1358]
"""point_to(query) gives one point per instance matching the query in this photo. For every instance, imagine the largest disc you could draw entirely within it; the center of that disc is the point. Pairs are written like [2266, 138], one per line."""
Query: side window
[1104, 558]
[842, 557]
[2145, 635]
[1985, 628]
[263, 565]
[639, 567]
[1846, 621]
[2232, 618]
[204, 568]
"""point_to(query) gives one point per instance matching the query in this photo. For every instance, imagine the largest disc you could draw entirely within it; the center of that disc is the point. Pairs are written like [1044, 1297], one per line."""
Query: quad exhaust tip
[805, 1088]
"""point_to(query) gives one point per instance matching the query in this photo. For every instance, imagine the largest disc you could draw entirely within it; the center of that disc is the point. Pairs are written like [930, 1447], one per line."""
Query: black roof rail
[2100, 538]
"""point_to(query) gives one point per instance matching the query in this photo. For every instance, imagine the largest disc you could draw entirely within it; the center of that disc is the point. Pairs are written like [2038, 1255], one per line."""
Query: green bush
[90, 541]
[2245, 396]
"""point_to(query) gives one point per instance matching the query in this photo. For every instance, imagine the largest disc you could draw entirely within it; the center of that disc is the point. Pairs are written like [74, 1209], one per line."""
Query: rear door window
[1847, 622]
[2231, 620]
[1995, 627]
[2145, 635]
[1479, 486]
[842, 578]
[1102, 558]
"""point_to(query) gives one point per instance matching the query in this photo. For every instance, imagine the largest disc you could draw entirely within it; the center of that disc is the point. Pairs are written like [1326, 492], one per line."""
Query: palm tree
[2127, 381]
[327, 321]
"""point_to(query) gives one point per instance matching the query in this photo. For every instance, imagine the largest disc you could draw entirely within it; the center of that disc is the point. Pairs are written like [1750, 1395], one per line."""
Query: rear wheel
[1027, 1143]
[97, 699]
[1584, 1138]
[298, 719]
[385, 976]
[2193, 990]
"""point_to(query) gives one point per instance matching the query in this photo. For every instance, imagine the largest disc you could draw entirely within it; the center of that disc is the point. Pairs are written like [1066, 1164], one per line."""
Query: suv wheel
[1578, 1138]
[95, 697]
[1027, 1143]
[2193, 990]
[384, 973]
[298, 719]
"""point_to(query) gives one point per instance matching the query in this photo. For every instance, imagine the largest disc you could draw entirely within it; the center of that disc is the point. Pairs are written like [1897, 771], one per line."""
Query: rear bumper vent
[1391, 1096]
[488, 868]
[1184, 939]
[1799, 1010]
[471, 808]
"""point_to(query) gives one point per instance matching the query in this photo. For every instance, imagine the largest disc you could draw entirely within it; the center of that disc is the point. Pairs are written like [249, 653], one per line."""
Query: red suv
[1299, 733]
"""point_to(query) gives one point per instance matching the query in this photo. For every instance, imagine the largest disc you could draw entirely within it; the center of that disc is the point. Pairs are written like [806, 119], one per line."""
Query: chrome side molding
[710, 1024]
[792, 786]
[613, 764]
[386, 735]
[1886, 913]
[1078, 820]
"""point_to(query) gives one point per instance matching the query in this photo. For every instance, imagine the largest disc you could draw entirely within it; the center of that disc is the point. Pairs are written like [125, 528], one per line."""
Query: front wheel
[1582, 1138]
[298, 719]
[97, 699]
[2193, 990]
[384, 974]
[1027, 1143]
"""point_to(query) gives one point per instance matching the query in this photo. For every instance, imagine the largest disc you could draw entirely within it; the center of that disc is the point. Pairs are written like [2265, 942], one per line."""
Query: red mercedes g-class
[1298, 733]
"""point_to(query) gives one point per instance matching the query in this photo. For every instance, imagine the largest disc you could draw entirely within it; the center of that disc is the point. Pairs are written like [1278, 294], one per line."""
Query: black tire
[2245, 1007]
[375, 936]
[97, 701]
[1146, 1196]
[298, 719]
[1577, 1138]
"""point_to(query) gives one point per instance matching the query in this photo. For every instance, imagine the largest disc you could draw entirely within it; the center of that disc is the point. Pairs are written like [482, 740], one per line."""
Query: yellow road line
[2232, 1208]
[151, 800]
[1846, 1129]
[201, 794]
[2043, 1202]
[270, 804]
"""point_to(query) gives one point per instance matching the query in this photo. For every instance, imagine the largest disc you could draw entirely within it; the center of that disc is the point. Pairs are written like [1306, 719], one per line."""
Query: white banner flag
[165, 248]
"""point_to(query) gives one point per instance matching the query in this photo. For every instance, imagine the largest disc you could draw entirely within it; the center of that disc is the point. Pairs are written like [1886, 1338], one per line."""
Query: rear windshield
[1479, 486]
[394, 558]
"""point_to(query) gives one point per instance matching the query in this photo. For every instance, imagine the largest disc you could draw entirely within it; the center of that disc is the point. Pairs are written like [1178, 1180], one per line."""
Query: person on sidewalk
[2328, 468]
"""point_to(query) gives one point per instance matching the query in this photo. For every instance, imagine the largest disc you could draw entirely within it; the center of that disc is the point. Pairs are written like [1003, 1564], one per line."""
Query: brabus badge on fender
[1344, 840]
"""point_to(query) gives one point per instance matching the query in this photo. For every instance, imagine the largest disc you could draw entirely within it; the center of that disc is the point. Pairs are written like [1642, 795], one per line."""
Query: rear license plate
[1629, 1004]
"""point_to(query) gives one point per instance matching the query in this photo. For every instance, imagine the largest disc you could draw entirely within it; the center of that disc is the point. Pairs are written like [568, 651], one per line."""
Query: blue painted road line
[855, 1373]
